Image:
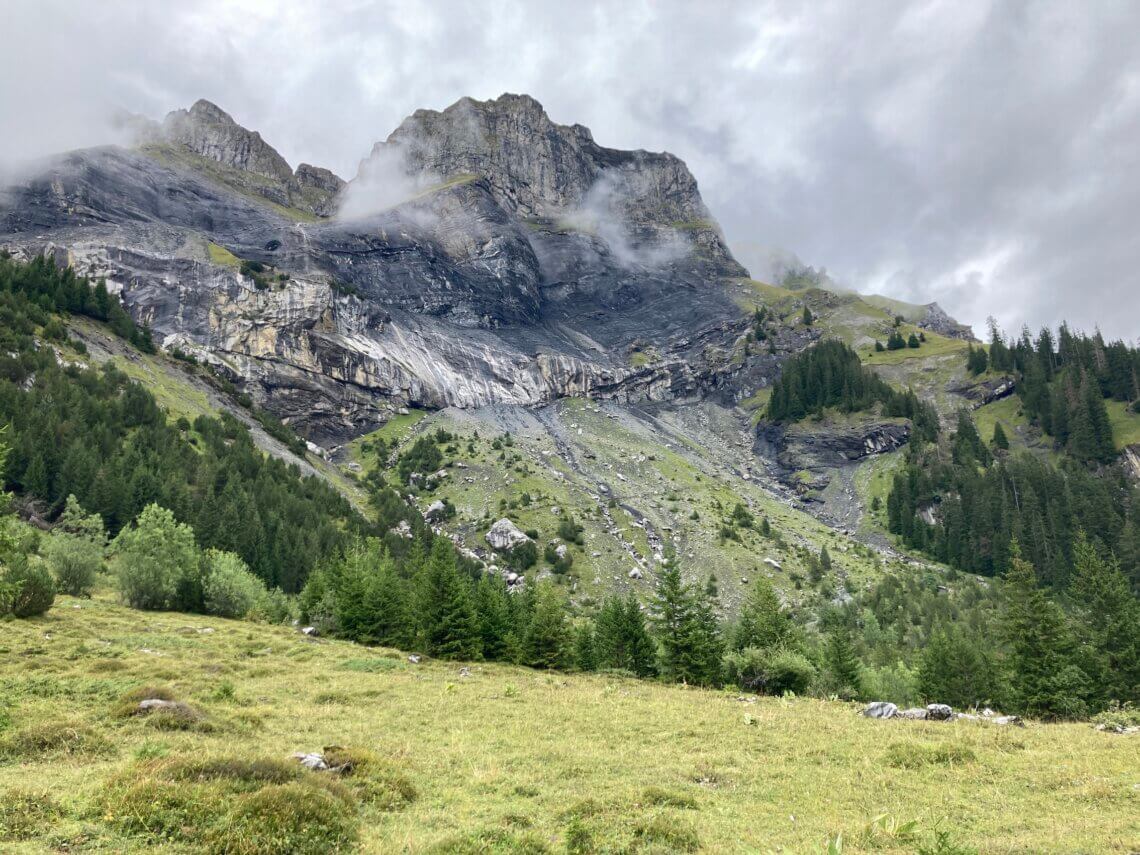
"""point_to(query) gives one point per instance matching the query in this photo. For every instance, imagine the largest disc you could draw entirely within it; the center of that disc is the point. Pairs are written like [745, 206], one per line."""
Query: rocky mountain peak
[538, 169]
[209, 131]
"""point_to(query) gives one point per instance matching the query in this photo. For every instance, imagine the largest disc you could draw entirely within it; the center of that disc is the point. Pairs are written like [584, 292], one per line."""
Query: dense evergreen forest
[1063, 380]
[829, 374]
[965, 500]
[99, 436]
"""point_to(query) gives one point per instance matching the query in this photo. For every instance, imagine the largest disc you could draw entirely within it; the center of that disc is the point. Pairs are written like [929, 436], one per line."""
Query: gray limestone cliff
[519, 262]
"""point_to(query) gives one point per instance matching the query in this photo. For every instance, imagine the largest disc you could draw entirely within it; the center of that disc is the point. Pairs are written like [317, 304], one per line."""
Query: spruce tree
[494, 614]
[1044, 679]
[808, 317]
[842, 664]
[1111, 619]
[448, 625]
[688, 629]
[1000, 440]
[545, 641]
[585, 655]
[956, 669]
[763, 623]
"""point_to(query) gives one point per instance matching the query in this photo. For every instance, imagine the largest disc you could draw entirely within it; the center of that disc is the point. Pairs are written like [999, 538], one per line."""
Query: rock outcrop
[524, 266]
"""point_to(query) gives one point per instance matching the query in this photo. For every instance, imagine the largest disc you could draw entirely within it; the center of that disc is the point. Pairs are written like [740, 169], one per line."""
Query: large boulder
[880, 709]
[437, 510]
[505, 535]
[939, 712]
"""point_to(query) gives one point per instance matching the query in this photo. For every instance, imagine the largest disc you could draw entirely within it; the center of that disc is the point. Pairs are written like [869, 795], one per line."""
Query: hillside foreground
[493, 758]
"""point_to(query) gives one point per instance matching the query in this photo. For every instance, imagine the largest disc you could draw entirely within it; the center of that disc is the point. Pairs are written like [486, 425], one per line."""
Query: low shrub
[769, 672]
[75, 561]
[229, 588]
[30, 588]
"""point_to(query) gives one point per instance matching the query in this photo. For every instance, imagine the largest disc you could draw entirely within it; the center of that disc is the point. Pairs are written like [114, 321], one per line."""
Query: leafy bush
[229, 589]
[273, 606]
[29, 588]
[770, 672]
[75, 561]
[155, 559]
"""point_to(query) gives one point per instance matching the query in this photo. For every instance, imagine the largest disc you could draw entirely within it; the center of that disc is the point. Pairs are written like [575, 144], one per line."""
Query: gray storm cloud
[981, 153]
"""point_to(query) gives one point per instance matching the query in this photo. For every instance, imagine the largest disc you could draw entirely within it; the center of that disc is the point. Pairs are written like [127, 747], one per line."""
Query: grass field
[499, 759]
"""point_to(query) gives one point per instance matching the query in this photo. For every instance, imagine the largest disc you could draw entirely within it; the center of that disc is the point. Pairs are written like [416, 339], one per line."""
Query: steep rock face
[446, 297]
[211, 132]
[543, 171]
[807, 451]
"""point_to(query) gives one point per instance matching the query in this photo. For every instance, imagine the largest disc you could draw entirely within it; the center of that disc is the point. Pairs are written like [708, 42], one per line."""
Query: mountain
[523, 263]
[493, 266]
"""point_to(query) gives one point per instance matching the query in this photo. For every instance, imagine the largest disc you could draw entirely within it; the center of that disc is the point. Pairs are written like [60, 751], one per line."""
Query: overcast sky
[982, 154]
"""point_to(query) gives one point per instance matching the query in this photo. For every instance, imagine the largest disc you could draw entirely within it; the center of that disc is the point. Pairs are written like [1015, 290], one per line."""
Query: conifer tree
[1111, 619]
[763, 623]
[956, 669]
[585, 655]
[495, 615]
[446, 617]
[1000, 440]
[842, 663]
[545, 641]
[1044, 679]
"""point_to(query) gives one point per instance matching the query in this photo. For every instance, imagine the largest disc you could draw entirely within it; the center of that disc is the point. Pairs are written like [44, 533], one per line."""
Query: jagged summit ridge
[537, 168]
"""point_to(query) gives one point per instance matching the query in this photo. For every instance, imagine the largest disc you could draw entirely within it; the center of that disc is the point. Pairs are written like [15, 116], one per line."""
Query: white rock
[504, 534]
[435, 510]
[939, 712]
[315, 762]
[880, 709]
[635, 573]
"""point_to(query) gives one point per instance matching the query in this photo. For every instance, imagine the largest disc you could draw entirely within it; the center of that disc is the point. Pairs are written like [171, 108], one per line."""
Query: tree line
[830, 374]
[1063, 380]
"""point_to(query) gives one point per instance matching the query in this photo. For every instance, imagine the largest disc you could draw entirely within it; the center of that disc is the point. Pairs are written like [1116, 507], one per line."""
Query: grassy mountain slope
[634, 481]
[503, 759]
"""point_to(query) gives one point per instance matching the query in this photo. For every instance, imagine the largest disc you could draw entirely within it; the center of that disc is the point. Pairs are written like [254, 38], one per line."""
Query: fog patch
[602, 212]
[383, 182]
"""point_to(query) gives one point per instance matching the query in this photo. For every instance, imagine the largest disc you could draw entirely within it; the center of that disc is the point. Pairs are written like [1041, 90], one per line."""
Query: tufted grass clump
[233, 805]
[916, 755]
[493, 841]
[298, 818]
[25, 814]
[665, 798]
[177, 716]
[666, 833]
[128, 704]
[376, 781]
[57, 737]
